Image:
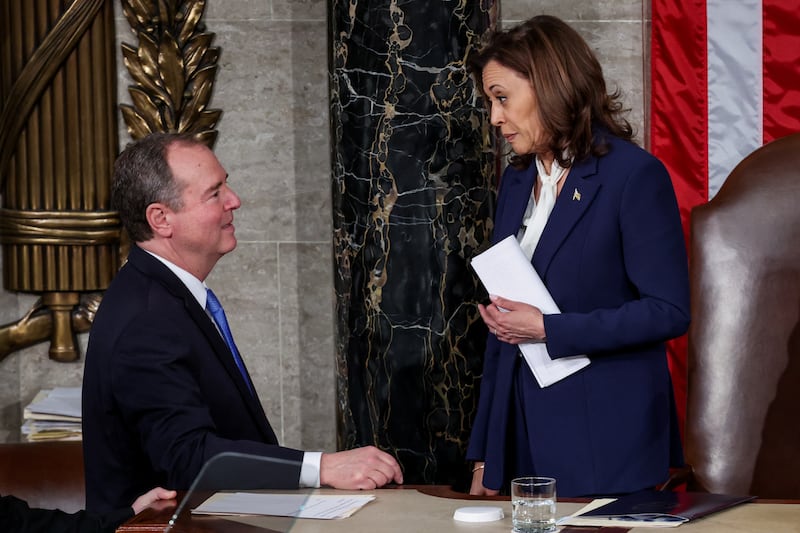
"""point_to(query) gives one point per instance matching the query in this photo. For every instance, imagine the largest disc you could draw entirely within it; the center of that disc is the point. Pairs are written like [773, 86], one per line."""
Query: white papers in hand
[295, 505]
[506, 272]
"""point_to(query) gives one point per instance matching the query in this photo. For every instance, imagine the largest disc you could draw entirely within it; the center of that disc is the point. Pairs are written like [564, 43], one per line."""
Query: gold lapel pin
[576, 196]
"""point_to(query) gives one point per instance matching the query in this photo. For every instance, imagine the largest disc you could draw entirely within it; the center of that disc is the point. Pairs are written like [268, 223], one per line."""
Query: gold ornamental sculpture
[58, 141]
[174, 69]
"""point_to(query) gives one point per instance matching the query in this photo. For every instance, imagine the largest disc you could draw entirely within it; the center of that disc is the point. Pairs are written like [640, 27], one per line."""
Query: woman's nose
[496, 115]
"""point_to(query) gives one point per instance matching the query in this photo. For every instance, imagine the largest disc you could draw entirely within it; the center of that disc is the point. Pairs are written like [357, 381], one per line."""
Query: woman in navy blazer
[613, 257]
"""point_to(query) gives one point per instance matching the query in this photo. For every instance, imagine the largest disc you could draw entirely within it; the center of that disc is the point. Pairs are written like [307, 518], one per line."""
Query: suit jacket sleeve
[16, 515]
[155, 381]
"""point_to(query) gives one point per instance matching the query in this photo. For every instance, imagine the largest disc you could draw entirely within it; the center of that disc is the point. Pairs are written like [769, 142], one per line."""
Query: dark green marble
[413, 196]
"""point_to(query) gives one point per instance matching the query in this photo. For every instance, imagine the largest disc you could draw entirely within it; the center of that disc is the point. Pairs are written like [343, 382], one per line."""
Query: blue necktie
[218, 313]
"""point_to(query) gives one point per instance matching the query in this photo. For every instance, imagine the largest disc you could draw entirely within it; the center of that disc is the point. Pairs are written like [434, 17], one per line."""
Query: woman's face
[513, 107]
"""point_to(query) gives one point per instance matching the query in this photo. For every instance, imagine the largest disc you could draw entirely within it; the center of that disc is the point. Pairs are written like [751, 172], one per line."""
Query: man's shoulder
[142, 275]
[135, 296]
[128, 287]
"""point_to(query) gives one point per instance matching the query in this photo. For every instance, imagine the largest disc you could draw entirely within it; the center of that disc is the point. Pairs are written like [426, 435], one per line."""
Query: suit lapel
[154, 268]
[519, 186]
[572, 203]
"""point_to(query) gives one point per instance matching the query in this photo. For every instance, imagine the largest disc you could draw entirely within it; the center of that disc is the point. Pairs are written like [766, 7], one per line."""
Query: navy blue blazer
[614, 259]
[161, 391]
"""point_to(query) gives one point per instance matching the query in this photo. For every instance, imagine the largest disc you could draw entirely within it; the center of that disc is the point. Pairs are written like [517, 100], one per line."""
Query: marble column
[413, 197]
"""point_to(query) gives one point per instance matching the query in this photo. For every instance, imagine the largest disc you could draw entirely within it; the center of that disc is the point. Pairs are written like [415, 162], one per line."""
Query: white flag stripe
[735, 88]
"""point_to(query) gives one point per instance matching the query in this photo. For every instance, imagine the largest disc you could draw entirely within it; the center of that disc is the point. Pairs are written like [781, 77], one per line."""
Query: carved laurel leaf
[195, 50]
[195, 113]
[211, 56]
[173, 67]
[202, 84]
[207, 119]
[200, 95]
[191, 19]
[138, 12]
[137, 125]
[148, 57]
[207, 136]
[170, 64]
[143, 102]
[166, 14]
[138, 74]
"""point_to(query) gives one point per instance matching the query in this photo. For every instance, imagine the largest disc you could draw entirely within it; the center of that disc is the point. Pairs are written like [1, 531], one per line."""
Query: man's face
[202, 230]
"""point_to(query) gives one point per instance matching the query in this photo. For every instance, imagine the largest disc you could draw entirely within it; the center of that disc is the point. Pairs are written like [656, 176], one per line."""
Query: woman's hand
[513, 322]
[477, 487]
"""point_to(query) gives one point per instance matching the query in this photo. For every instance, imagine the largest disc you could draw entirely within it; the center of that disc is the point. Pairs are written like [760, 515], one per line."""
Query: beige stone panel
[299, 10]
[11, 308]
[619, 48]
[312, 200]
[274, 98]
[238, 10]
[306, 301]
[246, 282]
[10, 409]
[512, 11]
[37, 371]
[279, 10]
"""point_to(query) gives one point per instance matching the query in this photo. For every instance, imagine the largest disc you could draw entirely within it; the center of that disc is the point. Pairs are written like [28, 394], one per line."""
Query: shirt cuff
[309, 471]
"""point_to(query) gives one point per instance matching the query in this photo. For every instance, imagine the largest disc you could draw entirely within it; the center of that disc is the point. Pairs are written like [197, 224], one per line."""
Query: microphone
[240, 471]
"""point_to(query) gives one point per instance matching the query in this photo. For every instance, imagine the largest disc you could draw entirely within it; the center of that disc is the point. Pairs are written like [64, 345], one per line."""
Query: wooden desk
[420, 509]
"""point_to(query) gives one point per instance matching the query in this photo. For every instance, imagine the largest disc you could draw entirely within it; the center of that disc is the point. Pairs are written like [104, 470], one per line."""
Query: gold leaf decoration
[173, 69]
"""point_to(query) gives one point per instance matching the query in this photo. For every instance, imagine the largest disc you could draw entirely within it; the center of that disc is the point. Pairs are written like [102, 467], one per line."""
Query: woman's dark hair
[568, 82]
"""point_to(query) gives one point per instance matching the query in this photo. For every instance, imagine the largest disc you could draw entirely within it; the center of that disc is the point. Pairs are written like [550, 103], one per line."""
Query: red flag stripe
[679, 111]
[781, 68]
[679, 107]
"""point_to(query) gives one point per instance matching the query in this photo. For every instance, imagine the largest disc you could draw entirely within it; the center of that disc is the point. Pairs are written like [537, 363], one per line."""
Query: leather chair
[743, 409]
[47, 475]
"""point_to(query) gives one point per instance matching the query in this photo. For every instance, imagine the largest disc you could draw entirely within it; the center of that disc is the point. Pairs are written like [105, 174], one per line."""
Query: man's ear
[157, 215]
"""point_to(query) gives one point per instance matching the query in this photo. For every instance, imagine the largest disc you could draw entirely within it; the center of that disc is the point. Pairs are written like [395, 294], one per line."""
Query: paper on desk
[294, 505]
[505, 271]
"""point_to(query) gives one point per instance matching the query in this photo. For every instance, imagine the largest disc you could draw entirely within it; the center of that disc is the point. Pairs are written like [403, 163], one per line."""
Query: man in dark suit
[163, 392]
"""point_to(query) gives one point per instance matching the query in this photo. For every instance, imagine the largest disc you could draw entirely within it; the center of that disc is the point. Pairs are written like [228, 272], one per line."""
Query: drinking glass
[533, 504]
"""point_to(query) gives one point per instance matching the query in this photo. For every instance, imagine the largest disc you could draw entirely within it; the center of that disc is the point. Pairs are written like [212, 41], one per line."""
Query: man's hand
[152, 496]
[361, 468]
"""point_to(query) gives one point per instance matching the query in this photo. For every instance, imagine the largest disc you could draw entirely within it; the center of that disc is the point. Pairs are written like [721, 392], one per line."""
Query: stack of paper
[318, 506]
[54, 414]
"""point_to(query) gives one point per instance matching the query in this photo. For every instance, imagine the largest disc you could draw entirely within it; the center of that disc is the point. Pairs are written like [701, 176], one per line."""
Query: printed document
[506, 272]
[295, 505]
